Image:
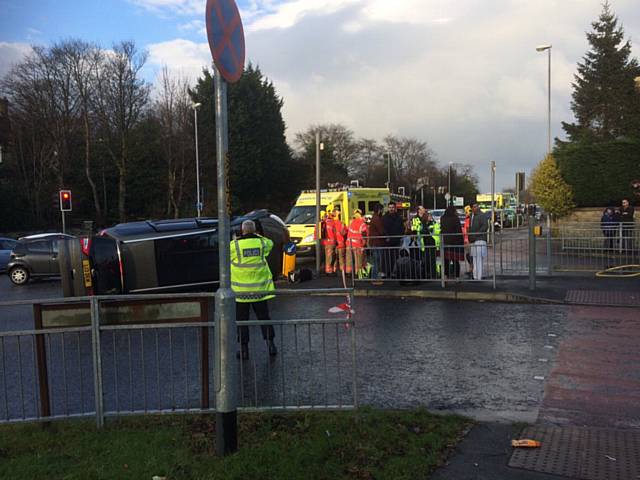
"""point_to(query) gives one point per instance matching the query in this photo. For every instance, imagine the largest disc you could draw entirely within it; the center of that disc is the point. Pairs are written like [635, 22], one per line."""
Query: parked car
[6, 247]
[35, 256]
[157, 256]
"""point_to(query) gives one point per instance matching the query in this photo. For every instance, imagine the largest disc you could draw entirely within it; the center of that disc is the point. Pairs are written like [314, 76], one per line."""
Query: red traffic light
[65, 200]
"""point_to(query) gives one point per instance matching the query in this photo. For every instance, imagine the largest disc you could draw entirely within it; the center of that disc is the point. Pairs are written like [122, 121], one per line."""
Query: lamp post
[195, 107]
[388, 157]
[542, 48]
[449, 187]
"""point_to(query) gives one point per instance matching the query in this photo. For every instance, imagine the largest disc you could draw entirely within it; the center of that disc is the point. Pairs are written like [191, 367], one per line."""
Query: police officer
[250, 273]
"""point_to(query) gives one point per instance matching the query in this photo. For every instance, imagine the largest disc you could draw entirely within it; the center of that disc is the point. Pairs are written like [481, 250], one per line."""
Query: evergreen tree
[549, 188]
[605, 102]
[262, 173]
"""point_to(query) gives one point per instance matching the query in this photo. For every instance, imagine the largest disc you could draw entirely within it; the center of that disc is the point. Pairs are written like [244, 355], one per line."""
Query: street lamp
[387, 156]
[195, 107]
[449, 188]
[542, 48]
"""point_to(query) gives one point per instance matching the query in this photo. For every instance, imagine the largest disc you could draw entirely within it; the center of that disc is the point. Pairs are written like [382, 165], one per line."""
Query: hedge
[600, 174]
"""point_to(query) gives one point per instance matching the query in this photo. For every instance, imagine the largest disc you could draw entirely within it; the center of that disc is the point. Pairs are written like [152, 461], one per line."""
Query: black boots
[272, 348]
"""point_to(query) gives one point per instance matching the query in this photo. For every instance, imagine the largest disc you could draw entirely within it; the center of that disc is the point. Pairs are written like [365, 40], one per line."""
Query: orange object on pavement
[525, 442]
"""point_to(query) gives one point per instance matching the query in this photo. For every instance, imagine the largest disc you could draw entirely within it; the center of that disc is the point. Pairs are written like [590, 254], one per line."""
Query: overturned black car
[157, 256]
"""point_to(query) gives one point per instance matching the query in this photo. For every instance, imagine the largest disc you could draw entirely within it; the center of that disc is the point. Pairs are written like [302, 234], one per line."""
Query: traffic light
[65, 200]
[520, 186]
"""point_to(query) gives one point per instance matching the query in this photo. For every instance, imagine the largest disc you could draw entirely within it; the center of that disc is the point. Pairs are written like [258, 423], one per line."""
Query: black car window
[188, 259]
[54, 245]
[41, 246]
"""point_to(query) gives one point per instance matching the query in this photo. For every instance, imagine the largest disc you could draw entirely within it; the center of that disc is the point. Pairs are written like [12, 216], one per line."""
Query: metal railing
[569, 248]
[435, 258]
[108, 356]
[566, 248]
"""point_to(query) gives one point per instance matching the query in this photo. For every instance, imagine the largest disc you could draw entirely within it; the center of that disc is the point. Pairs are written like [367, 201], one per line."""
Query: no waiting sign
[226, 38]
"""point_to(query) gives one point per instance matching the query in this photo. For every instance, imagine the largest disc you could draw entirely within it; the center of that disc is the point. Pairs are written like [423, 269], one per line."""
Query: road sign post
[226, 42]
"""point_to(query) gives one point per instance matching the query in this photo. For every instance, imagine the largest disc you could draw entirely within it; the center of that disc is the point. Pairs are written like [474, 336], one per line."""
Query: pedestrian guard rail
[438, 258]
[109, 356]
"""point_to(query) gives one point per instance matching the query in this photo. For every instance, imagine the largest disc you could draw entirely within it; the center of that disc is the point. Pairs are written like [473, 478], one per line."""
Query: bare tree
[368, 163]
[412, 161]
[28, 88]
[338, 139]
[120, 102]
[173, 109]
[83, 61]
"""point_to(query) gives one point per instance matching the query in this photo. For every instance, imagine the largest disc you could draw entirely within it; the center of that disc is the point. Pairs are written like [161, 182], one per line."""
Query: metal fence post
[549, 264]
[501, 259]
[442, 264]
[354, 365]
[97, 362]
[532, 256]
[620, 238]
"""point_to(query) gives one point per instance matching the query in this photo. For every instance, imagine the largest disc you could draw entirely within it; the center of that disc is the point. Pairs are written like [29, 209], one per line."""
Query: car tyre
[19, 275]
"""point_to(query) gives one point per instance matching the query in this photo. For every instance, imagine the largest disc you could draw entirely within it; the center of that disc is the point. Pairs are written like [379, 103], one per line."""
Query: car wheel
[19, 275]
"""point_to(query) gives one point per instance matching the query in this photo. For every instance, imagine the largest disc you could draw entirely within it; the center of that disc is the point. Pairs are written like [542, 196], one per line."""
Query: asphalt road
[486, 360]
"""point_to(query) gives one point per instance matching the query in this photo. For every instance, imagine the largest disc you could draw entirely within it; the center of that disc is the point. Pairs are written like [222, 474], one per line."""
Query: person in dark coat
[453, 241]
[394, 229]
[608, 226]
[626, 218]
[377, 241]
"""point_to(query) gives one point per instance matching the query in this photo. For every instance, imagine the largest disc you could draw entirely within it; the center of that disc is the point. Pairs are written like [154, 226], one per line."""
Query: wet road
[486, 360]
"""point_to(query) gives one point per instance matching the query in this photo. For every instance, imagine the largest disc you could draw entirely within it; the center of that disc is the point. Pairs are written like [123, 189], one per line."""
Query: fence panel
[114, 356]
[436, 258]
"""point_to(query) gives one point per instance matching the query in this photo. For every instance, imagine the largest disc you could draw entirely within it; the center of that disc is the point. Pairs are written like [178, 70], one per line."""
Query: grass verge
[366, 444]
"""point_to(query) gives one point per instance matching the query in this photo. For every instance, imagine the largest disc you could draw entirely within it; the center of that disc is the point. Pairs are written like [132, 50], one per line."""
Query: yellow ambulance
[302, 217]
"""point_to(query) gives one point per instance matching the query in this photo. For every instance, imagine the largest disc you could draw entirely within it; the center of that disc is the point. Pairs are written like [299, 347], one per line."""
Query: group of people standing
[401, 248]
[618, 224]
[344, 245]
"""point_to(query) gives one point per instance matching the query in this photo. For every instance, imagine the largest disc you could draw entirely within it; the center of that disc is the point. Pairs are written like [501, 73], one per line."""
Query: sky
[462, 75]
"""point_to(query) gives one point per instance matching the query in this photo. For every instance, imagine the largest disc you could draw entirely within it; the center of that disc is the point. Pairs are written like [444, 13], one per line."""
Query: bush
[600, 174]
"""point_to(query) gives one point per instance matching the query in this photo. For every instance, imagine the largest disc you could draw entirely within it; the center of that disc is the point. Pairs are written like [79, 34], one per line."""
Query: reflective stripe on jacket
[357, 229]
[249, 268]
[434, 230]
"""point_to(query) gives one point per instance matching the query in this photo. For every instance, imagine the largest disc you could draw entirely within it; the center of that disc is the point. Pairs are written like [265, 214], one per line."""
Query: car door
[54, 265]
[39, 257]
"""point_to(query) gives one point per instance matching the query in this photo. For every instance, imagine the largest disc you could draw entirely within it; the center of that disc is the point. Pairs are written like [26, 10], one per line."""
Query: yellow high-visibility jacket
[249, 268]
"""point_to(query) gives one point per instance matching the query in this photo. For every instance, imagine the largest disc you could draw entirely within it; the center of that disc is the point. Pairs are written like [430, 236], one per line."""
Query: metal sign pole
[226, 391]
[198, 202]
[64, 225]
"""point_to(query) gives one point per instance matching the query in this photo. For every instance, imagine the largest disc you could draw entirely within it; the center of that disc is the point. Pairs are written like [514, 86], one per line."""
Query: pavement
[582, 289]
[594, 388]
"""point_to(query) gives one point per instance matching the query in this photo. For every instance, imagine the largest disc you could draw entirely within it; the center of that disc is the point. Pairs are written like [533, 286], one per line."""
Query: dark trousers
[261, 309]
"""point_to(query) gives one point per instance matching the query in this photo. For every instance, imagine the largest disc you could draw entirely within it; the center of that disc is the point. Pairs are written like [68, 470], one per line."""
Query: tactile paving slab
[581, 452]
[599, 297]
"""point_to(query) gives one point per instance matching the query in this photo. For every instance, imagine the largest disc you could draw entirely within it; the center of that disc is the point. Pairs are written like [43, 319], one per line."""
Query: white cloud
[180, 56]
[462, 75]
[163, 7]
[289, 13]
[11, 54]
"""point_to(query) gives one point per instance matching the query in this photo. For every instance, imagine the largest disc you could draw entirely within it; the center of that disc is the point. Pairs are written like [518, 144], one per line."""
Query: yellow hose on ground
[609, 272]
